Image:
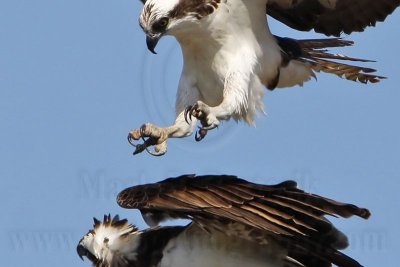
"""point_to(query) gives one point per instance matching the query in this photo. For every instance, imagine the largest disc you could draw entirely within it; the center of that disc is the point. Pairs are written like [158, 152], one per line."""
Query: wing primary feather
[211, 198]
[190, 198]
[168, 202]
[315, 224]
[272, 219]
[226, 194]
[242, 193]
[250, 219]
[327, 205]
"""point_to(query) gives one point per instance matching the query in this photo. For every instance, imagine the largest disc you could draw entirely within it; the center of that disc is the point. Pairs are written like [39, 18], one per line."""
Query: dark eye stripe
[160, 25]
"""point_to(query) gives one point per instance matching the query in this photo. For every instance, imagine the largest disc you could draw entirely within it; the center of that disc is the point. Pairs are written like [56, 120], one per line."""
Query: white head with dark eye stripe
[171, 17]
[112, 240]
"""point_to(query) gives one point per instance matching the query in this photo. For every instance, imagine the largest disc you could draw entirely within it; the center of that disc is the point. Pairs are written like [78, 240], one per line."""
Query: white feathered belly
[200, 249]
[231, 78]
[210, 86]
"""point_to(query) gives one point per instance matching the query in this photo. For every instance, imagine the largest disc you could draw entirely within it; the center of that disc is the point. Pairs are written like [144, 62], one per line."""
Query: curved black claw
[155, 153]
[131, 140]
[188, 112]
[193, 111]
[200, 134]
[145, 146]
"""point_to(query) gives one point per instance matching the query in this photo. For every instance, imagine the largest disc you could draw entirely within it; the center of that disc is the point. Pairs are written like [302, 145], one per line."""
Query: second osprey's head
[171, 17]
[110, 241]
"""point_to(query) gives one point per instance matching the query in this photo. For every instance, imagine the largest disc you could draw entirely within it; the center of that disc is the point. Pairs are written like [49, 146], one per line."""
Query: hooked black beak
[151, 41]
[81, 251]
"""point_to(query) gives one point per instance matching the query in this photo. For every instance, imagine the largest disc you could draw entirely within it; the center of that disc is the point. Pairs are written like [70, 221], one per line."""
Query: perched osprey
[230, 55]
[235, 223]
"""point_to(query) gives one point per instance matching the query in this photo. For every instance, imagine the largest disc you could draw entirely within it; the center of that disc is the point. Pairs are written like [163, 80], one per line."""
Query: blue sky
[76, 77]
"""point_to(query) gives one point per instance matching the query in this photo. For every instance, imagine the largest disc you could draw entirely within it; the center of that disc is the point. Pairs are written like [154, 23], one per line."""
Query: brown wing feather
[290, 209]
[346, 17]
[282, 211]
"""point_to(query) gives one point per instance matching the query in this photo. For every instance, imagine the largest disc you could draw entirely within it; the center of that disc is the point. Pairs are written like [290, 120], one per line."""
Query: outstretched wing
[283, 211]
[331, 17]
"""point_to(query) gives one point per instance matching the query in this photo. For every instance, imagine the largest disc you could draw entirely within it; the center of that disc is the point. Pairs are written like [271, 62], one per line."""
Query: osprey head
[172, 17]
[112, 240]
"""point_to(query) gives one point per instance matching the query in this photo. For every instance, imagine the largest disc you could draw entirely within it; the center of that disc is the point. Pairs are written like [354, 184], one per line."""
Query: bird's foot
[152, 136]
[204, 114]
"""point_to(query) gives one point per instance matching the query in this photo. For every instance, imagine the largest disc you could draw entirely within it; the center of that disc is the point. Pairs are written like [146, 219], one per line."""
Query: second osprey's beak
[81, 251]
[151, 41]
[84, 252]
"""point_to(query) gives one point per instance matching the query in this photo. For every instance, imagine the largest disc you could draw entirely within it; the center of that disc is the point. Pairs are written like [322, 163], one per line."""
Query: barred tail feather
[314, 52]
[349, 72]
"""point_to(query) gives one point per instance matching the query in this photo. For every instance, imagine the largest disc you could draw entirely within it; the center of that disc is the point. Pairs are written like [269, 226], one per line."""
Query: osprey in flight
[235, 223]
[230, 55]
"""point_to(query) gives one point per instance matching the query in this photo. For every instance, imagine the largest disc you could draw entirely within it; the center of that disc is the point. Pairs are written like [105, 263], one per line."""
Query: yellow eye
[163, 22]
[161, 25]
